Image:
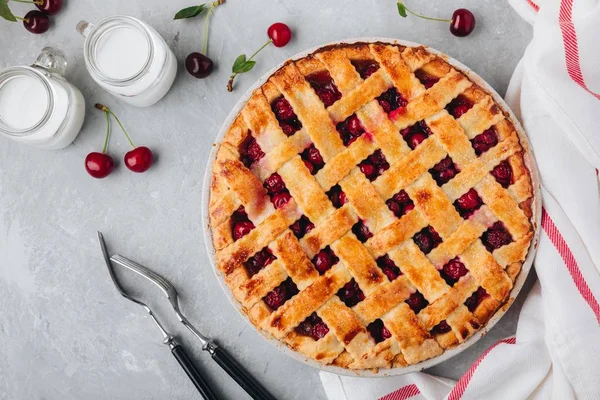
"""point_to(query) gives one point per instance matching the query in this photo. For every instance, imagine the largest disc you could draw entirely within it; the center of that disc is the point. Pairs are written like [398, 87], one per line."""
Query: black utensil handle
[192, 372]
[243, 378]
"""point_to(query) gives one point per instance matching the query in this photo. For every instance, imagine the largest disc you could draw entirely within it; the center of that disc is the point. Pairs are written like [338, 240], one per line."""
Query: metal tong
[225, 361]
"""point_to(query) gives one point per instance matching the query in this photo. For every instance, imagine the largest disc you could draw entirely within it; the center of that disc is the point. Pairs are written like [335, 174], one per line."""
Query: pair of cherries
[37, 21]
[100, 165]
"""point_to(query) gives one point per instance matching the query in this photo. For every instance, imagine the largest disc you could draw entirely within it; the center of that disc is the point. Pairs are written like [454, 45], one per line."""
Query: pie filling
[383, 226]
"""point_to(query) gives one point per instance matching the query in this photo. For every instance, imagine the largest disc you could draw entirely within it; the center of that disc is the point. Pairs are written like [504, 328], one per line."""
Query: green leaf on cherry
[401, 9]
[188, 12]
[5, 11]
[240, 65]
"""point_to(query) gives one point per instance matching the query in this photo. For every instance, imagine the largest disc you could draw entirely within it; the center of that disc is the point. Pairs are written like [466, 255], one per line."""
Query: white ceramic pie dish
[518, 284]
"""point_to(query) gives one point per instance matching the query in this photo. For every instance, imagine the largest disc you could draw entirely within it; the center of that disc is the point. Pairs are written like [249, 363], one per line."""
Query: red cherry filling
[361, 231]
[241, 225]
[468, 203]
[442, 327]
[288, 120]
[426, 79]
[274, 184]
[484, 141]
[351, 294]
[337, 197]
[391, 100]
[259, 261]
[459, 106]
[476, 298]
[313, 157]
[414, 135]
[313, 326]
[503, 173]
[443, 171]
[378, 331]
[496, 236]
[250, 151]
[388, 267]
[400, 204]
[427, 239]
[279, 200]
[350, 129]
[365, 68]
[282, 293]
[324, 260]
[302, 227]
[416, 302]
[374, 165]
[453, 271]
[324, 87]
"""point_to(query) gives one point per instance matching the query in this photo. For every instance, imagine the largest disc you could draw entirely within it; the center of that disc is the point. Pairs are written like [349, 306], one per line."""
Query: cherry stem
[206, 22]
[423, 16]
[22, 19]
[29, 2]
[232, 77]
[109, 111]
[106, 138]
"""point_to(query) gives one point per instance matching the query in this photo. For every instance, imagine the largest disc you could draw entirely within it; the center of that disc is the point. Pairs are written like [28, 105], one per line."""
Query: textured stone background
[65, 333]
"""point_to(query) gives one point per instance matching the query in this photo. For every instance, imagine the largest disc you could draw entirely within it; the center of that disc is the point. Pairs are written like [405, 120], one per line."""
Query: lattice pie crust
[399, 217]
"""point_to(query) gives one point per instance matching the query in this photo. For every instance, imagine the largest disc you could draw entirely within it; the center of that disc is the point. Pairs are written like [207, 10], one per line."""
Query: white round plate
[518, 284]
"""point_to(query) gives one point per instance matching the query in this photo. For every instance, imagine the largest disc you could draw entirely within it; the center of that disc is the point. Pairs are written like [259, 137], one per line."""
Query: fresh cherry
[99, 165]
[463, 22]
[49, 7]
[198, 65]
[139, 159]
[280, 34]
[36, 22]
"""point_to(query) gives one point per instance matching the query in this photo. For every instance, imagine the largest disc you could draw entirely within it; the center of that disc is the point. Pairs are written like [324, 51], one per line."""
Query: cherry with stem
[461, 24]
[100, 165]
[199, 65]
[35, 21]
[279, 34]
[139, 159]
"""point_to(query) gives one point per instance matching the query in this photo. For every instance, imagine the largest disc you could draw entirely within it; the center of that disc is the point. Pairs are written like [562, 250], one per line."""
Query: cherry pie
[371, 206]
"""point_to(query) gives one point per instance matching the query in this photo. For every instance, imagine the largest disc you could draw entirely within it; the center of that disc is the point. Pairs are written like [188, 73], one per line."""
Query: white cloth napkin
[556, 351]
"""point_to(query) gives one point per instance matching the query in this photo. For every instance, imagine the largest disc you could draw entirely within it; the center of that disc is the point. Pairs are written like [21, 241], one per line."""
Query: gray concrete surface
[65, 333]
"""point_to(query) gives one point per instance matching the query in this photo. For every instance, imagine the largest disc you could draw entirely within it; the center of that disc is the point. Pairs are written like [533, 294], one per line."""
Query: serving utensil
[178, 352]
[225, 361]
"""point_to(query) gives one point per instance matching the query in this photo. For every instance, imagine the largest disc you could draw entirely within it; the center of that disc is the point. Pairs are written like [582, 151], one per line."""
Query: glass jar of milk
[38, 106]
[129, 59]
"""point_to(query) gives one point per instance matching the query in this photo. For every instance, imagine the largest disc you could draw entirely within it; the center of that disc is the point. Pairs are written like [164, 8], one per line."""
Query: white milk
[122, 52]
[23, 102]
[38, 106]
[129, 59]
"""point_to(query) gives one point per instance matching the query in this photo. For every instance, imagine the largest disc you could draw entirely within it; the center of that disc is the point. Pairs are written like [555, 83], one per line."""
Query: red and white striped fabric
[555, 91]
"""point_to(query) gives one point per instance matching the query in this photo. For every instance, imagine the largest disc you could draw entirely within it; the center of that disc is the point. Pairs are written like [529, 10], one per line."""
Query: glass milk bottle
[129, 59]
[38, 106]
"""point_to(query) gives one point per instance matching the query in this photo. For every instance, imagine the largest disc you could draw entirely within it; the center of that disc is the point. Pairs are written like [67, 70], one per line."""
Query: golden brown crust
[414, 337]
